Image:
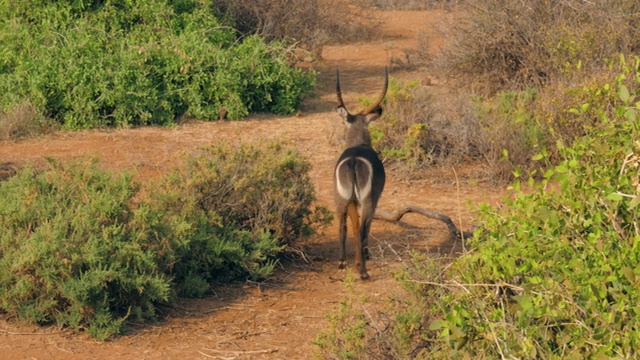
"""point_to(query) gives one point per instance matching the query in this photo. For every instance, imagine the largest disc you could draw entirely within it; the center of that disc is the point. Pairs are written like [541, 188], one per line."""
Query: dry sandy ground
[279, 318]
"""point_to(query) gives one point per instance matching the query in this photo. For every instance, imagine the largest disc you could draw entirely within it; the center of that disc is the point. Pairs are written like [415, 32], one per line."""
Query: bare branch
[239, 352]
[456, 284]
[453, 229]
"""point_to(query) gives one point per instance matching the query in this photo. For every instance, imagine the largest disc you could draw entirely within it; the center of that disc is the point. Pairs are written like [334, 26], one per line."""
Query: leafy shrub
[509, 134]
[254, 188]
[560, 263]
[75, 250]
[90, 64]
[516, 125]
[245, 204]
[534, 79]
[86, 249]
[396, 330]
[402, 132]
[572, 109]
[507, 129]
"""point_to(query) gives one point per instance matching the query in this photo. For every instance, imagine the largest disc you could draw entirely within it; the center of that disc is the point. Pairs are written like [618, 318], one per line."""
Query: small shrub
[514, 126]
[509, 135]
[571, 109]
[22, 121]
[347, 335]
[245, 204]
[399, 330]
[255, 188]
[402, 132]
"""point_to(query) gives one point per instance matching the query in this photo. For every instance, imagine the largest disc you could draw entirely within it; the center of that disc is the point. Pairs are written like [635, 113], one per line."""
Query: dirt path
[277, 319]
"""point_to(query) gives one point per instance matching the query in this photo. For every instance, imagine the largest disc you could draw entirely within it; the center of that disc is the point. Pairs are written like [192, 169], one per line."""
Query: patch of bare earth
[279, 318]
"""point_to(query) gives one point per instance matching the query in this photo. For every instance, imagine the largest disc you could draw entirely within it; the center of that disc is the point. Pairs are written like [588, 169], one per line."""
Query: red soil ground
[279, 318]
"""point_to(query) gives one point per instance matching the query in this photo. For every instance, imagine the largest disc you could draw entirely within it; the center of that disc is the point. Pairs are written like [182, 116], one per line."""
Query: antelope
[358, 177]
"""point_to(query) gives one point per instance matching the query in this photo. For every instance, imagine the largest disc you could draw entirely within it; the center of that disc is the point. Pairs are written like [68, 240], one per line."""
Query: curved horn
[384, 92]
[338, 92]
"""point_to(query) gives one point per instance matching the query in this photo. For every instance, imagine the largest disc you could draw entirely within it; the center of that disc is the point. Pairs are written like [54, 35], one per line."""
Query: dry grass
[312, 23]
[420, 129]
[22, 121]
[511, 44]
[490, 56]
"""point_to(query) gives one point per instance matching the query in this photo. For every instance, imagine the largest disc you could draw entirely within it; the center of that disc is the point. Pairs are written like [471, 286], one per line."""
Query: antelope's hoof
[342, 265]
[364, 276]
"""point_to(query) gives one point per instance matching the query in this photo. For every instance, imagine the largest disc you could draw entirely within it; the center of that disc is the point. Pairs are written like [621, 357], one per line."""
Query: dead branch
[28, 333]
[239, 352]
[454, 232]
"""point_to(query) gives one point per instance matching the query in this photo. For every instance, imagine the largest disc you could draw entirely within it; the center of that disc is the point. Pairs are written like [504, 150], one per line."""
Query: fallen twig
[465, 286]
[239, 352]
[453, 229]
[26, 333]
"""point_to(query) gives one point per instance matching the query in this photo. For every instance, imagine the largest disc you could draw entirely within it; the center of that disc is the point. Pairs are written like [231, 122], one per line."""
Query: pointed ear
[343, 112]
[373, 116]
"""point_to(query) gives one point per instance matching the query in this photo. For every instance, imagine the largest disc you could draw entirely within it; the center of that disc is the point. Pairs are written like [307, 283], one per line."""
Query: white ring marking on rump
[346, 190]
[366, 191]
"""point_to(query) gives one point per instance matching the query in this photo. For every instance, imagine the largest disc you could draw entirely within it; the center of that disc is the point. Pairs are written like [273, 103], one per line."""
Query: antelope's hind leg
[342, 215]
[360, 241]
[364, 229]
[352, 212]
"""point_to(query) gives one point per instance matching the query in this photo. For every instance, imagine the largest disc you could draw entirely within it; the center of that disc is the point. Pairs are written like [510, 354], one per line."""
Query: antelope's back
[359, 173]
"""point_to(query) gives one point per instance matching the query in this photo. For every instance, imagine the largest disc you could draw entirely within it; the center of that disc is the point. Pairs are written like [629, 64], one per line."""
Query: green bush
[83, 248]
[249, 187]
[409, 132]
[346, 337]
[246, 203]
[571, 109]
[396, 330]
[510, 134]
[75, 249]
[536, 79]
[126, 63]
[418, 129]
[555, 272]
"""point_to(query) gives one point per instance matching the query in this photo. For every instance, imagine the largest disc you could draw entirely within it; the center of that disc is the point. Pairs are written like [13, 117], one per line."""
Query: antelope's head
[357, 132]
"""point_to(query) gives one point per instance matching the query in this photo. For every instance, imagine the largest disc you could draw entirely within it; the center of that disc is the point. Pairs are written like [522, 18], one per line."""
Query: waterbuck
[358, 177]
